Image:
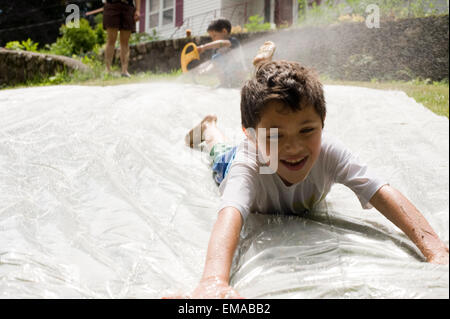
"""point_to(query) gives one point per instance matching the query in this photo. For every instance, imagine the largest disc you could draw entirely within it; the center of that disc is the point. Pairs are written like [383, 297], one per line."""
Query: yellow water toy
[186, 58]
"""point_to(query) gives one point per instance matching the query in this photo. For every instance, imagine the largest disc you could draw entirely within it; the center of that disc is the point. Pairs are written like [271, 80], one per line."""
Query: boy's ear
[250, 134]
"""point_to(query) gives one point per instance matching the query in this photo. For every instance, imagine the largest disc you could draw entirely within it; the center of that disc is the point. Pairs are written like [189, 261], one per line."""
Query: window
[161, 13]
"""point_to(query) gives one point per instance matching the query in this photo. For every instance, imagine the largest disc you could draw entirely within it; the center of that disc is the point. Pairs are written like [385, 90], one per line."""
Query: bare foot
[197, 134]
[265, 53]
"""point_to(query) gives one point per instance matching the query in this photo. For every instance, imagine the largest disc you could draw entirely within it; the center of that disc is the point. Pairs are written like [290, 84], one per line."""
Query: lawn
[434, 96]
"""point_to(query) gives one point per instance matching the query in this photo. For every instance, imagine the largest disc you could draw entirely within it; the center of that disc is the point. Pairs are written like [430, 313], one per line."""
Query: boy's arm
[214, 45]
[222, 245]
[400, 211]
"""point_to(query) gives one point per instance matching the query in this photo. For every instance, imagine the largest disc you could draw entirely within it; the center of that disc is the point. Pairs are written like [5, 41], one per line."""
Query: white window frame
[160, 15]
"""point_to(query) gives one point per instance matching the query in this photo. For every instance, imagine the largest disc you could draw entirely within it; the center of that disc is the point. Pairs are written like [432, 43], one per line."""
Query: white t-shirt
[245, 189]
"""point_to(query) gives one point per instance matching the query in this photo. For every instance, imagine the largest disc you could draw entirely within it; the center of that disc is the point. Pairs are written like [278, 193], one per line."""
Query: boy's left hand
[402, 213]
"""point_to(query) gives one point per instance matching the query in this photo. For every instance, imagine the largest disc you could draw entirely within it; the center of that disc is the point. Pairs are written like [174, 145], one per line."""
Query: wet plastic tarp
[100, 198]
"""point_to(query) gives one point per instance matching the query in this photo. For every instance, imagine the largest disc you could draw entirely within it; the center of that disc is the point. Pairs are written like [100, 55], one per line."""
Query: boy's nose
[293, 146]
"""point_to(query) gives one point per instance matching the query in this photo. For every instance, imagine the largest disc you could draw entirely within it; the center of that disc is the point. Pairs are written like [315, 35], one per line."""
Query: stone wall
[398, 50]
[18, 66]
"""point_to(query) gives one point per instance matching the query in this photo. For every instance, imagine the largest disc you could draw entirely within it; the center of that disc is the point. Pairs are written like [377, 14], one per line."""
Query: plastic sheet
[100, 198]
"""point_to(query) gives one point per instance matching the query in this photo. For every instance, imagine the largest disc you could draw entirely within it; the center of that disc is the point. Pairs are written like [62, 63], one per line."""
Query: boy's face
[218, 35]
[299, 139]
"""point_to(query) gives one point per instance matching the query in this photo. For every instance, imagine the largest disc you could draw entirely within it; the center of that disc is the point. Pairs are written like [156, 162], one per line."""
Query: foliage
[351, 18]
[75, 40]
[255, 24]
[62, 46]
[324, 14]
[99, 31]
[238, 29]
[100, 34]
[355, 10]
[14, 45]
[27, 45]
[143, 37]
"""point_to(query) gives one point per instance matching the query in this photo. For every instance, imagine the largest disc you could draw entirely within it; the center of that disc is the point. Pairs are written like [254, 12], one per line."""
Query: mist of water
[404, 49]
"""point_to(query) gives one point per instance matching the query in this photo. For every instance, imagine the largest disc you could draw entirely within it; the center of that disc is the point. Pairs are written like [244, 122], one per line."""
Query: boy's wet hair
[284, 81]
[219, 24]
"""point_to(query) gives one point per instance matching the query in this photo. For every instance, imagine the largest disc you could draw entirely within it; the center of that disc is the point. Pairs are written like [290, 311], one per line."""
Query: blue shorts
[222, 156]
[219, 59]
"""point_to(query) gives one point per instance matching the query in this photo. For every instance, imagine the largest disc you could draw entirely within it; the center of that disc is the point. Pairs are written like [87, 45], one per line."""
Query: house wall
[236, 11]
[199, 13]
[196, 15]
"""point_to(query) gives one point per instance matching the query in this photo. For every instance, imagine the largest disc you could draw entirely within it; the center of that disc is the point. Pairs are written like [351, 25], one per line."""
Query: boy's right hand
[210, 288]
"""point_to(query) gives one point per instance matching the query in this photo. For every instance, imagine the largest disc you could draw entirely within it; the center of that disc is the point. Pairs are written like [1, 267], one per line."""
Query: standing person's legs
[110, 46]
[124, 51]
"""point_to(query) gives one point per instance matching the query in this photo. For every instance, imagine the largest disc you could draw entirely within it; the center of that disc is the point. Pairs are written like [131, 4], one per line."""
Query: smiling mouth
[295, 165]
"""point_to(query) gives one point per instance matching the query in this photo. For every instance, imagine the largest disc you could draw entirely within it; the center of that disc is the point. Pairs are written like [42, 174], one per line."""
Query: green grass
[96, 76]
[142, 77]
[433, 95]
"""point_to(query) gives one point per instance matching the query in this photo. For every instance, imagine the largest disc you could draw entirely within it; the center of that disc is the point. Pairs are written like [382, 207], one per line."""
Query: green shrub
[255, 24]
[75, 40]
[143, 37]
[98, 19]
[83, 39]
[330, 11]
[324, 14]
[62, 46]
[14, 45]
[99, 31]
[27, 45]
[100, 34]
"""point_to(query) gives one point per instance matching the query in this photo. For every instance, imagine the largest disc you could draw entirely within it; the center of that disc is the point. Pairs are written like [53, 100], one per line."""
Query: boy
[227, 62]
[286, 96]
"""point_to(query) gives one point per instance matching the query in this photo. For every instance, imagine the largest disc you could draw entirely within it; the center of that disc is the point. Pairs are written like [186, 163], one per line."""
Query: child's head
[219, 29]
[289, 97]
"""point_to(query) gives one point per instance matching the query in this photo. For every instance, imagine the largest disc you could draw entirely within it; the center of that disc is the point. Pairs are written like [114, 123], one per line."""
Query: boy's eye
[307, 130]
